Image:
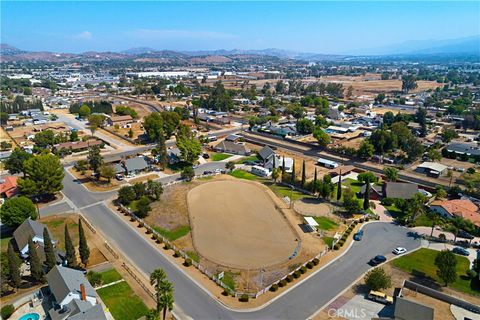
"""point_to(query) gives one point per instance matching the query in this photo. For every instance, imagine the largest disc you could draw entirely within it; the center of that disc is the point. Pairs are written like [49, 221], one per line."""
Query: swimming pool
[30, 316]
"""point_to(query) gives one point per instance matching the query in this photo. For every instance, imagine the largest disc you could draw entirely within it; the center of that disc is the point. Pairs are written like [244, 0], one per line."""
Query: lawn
[422, 263]
[193, 255]
[284, 191]
[353, 184]
[122, 301]
[219, 156]
[4, 243]
[110, 276]
[173, 235]
[328, 241]
[325, 224]
[56, 225]
[242, 174]
[229, 279]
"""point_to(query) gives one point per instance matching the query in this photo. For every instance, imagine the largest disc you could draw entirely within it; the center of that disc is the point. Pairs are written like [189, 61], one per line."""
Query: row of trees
[142, 194]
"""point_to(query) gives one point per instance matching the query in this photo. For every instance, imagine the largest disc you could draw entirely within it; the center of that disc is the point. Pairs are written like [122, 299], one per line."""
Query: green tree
[84, 111]
[434, 155]
[13, 267]
[391, 173]
[314, 183]
[365, 150]
[154, 189]
[74, 136]
[350, 202]
[339, 186]
[449, 134]
[377, 279]
[16, 210]
[187, 173]
[276, 174]
[190, 148]
[15, 163]
[326, 187]
[161, 151]
[143, 207]
[126, 194]
[152, 314]
[305, 126]
[36, 269]
[293, 177]
[95, 121]
[388, 118]
[108, 172]
[82, 244]
[70, 253]
[304, 175]
[94, 158]
[153, 125]
[446, 264]
[158, 279]
[44, 175]
[166, 303]
[440, 192]
[322, 137]
[409, 82]
[50, 260]
[230, 165]
[416, 206]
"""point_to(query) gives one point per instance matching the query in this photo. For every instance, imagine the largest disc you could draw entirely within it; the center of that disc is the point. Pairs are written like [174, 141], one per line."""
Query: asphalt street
[298, 303]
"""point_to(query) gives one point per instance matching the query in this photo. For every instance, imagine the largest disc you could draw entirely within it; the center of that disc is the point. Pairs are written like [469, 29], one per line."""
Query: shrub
[289, 278]
[303, 269]
[316, 261]
[154, 237]
[132, 219]
[176, 254]
[158, 239]
[225, 292]
[7, 311]
[471, 274]
[367, 218]
[362, 220]
[297, 274]
[167, 246]
[355, 222]
[140, 224]
[94, 278]
[187, 262]
[387, 201]
[274, 287]
[336, 246]
[310, 265]
[442, 236]
[282, 283]
[341, 242]
[149, 231]
[243, 298]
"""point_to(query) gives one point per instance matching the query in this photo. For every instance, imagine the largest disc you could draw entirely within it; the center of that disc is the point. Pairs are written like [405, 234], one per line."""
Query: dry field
[236, 224]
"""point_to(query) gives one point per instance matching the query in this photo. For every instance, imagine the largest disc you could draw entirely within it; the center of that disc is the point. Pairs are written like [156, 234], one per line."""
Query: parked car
[461, 251]
[465, 235]
[358, 236]
[380, 297]
[207, 172]
[119, 176]
[206, 156]
[375, 261]
[399, 250]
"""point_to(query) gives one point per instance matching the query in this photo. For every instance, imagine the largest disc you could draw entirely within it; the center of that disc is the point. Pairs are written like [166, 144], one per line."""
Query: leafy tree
[187, 173]
[108, 172]
[70, 253]
[434, 155]
[304, 174]
[322, 137]
[74, 136]
[339, 186]
[276, 174]
[13, 266]
[296, 111]
[44, 175]
[416, 206]
[36, 269]
[153, 125]
[161, 151]
[44, 139]
[152, 314]
[50, 260]
[94, 158]
[154, 189]
[81, 165]
[95, 278]
[126, 194]
[82, 244]
[314, 183]
[388, 118]
[16, 210]
[190, 148]
[414, 148]
[377, 279]
[449, 134]
[15, 163]
[4, 273]
[166, 303]
[293, 177]
[367, 177]
[230, 165]
[379, 100]
[409, 82]
[446, 264]
[326, 187]
[350, 202]
[365, 150]
[158, 279]
[171, 121]
[84, 111]
[305, 126]
[421, 118]
[391, 173]
[95, 121]
[440, 192]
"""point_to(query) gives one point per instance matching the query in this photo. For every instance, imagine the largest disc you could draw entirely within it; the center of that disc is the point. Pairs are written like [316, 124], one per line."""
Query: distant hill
[9, 50]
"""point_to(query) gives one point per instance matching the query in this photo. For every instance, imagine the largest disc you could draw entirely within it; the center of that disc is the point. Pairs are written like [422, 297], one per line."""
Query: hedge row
[297, 274]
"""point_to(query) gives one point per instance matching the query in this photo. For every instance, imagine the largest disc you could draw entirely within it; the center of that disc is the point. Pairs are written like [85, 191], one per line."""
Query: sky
[320, 27]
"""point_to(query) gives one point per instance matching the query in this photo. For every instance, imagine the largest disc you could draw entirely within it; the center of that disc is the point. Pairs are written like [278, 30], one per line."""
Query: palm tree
[433, 216]
[157, 279]
[166, 302]
[417, 206]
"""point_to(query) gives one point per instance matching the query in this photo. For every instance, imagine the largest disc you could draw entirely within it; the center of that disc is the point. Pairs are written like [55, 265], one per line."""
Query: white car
[399, 250]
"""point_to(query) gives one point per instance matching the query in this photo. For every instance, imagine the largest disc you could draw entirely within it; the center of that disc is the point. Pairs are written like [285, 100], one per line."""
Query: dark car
[465, 235]
[206, 156]
[207, 172]
[358, 236]
[460, 251]
[375, 261]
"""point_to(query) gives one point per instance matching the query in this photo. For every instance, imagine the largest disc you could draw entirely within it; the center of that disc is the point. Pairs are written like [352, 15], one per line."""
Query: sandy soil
[235, 223]
[313, 207]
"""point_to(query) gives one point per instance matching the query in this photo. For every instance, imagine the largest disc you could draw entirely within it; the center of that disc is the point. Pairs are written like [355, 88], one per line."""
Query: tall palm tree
[166, 302]
[157, 279]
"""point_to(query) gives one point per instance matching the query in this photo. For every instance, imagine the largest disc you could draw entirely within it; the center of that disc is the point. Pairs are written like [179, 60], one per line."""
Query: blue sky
[322, 27]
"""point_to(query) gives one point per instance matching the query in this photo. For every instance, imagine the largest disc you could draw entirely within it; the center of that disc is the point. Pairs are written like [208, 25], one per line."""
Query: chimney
[83, 294]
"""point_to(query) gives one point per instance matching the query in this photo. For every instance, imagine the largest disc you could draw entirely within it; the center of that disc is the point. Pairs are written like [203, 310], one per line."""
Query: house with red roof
[8, 187]
[463, 208]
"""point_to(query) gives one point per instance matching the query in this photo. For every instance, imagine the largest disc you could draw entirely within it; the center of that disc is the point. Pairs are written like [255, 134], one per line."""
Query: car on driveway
[207, 172]
[358, 236]
[461, 251]
[375, 261]
[380, 297]
[399, 250]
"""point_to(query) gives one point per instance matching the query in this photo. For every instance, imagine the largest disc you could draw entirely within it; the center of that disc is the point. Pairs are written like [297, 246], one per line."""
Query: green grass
[325, 223]
[122, 301]
[229, 279]
[173, 235]
[284, 191]
[193, 255]
[242, 174]
[422, 220]
[251, 158]
[219, 156]
[422, 263]
[133, 205]
[328, 241]
[4, 243]
[110, 276]
[177, 167]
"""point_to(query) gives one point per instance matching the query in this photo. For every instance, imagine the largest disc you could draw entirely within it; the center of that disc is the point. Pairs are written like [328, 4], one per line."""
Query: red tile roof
[9, 186]
[461, 208]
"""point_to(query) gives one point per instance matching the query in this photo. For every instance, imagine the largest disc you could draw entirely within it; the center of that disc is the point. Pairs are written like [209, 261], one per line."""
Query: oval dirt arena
[235, 223]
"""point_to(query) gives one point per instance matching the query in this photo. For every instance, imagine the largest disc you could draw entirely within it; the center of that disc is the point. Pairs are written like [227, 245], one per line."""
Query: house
[394, 190]
[409, 310]
[265, 154]
[463, 208]
[75, 298]
[8, 187]
[77, 146]
[233, 137]
[464, 150]
[432, 169]
[132, 166]
[121, 121]
[232, 147]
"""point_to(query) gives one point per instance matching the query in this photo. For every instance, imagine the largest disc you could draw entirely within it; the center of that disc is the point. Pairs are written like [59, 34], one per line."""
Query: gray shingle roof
[409, 310]
[28, 229]
[231, 147]
[63, 280]
[133, 164]
[83, 310]
[400, 190]
[462, 148]
[265, 153]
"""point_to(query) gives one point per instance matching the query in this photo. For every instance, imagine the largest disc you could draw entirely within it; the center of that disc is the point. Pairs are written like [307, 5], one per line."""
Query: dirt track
[235, 223]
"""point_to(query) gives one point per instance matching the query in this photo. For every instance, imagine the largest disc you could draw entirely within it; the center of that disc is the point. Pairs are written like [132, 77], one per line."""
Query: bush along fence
[188, 261]
[340, 240]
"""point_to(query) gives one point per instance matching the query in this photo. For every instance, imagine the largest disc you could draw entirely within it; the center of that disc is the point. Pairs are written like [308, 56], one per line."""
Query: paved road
[299, 303]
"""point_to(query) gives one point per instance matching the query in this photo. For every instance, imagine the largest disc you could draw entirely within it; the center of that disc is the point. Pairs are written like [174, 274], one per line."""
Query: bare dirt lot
[235, 223]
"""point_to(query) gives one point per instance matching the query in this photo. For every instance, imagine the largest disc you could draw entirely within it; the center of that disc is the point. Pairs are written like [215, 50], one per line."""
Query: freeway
[298, 303]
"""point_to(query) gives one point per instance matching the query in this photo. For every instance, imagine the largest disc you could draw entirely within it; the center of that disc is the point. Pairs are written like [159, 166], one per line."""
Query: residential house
[464, 150]
[233, 137]
[174, 155]
[8, 187]
[132, 166]
[265, 154]
[432, 169]
[463, 208]
[121, 121]
[394, 190]
[77, 146]
[232, 147]
[75, 298]
[410, 310]
[271, 160]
